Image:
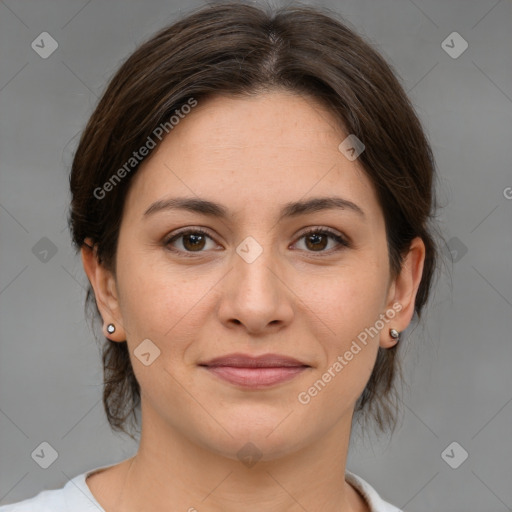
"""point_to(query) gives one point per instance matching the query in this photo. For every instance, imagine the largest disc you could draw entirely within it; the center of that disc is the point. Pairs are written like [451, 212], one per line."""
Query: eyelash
[343, 243]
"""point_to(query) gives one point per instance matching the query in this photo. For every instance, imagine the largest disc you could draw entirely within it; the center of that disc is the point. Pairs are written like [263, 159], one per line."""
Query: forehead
[266, 149]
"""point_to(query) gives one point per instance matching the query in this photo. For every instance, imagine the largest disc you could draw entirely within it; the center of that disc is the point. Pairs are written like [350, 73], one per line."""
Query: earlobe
[403, 292]
[105, 292]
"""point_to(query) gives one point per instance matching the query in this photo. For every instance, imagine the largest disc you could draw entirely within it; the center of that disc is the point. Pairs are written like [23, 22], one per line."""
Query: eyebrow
[289, 210]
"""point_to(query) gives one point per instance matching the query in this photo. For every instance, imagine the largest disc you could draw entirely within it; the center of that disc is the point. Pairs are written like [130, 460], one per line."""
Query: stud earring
[111, 328]
[394, 334]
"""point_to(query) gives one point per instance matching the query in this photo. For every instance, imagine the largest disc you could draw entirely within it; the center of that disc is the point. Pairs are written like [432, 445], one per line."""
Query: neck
[169, 469]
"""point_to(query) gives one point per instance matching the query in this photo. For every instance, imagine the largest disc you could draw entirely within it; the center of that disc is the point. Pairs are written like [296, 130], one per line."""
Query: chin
[260, 434]
[249, 449]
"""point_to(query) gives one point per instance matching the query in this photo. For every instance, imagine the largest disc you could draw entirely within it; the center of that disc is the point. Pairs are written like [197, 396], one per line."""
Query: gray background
[459, 381]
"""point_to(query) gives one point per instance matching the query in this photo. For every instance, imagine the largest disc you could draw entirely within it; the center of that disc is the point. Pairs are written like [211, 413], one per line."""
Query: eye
[317, 239]
[193, 240]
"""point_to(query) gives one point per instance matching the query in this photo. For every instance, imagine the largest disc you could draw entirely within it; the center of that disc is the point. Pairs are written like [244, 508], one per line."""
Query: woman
[251, 199]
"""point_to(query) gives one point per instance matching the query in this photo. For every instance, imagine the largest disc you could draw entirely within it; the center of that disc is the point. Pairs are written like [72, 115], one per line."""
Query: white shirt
[76, 496]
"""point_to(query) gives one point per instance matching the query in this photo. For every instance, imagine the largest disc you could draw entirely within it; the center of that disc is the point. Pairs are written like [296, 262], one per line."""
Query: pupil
[196, 240]
[315, 238]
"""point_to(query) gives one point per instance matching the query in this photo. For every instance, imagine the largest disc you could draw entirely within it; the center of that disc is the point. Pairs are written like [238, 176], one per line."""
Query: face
[265, 278]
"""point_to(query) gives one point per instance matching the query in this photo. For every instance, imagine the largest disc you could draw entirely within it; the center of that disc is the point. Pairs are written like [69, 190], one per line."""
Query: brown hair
[233, 48]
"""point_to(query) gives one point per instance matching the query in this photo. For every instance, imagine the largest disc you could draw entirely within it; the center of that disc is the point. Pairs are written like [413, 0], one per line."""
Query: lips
[247, 361]
[255, 372]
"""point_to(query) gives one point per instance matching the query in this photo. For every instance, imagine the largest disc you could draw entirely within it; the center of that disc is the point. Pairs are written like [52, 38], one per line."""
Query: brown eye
[192, 240]
[317, 240]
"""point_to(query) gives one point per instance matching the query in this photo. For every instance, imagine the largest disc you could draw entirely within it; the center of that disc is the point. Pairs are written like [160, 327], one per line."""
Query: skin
[302, 300]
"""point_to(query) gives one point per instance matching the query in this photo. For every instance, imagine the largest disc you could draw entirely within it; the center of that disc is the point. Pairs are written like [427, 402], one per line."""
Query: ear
[105, 291]
[403, 291]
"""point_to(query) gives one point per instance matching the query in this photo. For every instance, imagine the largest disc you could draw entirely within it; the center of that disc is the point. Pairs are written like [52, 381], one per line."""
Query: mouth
[255, 372]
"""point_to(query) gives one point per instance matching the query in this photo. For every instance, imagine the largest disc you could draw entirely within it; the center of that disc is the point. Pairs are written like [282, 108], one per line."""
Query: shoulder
[43, 502]
[75, 496]
[375, 502]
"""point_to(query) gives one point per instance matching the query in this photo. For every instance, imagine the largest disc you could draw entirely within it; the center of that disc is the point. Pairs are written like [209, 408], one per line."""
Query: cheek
[347, 309]
[350, 300]
[165, 308]
[166, 305]
[157, 303]
[349, 345]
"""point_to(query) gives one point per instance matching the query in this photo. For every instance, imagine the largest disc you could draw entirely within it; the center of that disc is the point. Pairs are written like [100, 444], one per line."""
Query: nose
[254, 294]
